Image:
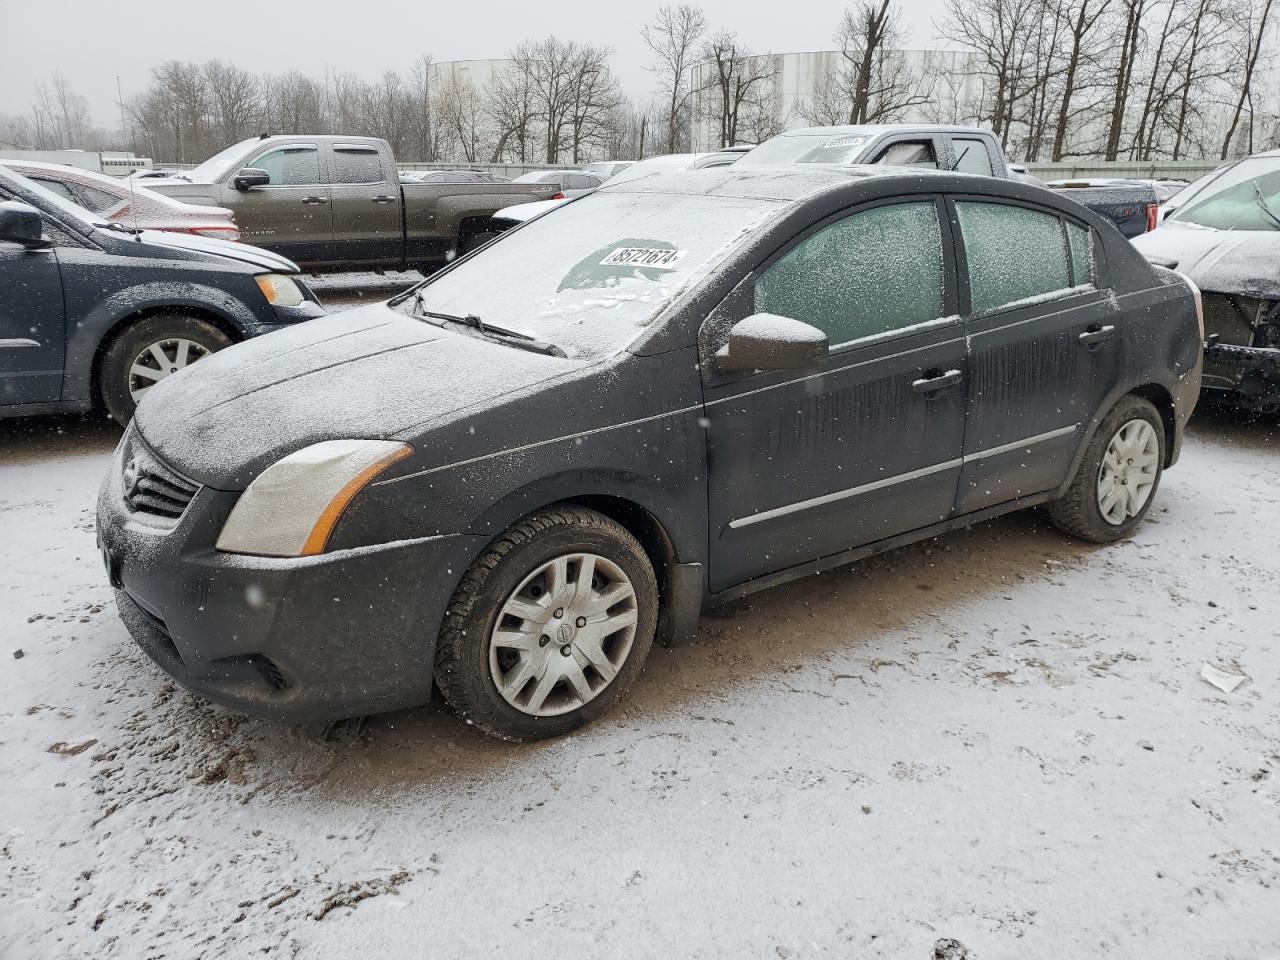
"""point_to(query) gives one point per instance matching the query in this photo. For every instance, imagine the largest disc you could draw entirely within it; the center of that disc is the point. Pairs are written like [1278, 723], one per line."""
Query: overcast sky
[93, 42]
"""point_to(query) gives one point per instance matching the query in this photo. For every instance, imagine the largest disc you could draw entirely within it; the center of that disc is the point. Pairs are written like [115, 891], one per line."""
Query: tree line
[1054, 79]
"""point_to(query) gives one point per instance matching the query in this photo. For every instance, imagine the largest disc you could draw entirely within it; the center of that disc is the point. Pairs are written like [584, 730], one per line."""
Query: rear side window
[871, 272]
[357, 166]
[1013, 254]
[912, 154]
[1080, 240]
[972, 156]
[99, 201]
[291, 166]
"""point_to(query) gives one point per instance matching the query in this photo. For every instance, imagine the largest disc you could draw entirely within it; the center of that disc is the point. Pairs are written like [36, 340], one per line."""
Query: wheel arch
[1162, 400]
[124, 322]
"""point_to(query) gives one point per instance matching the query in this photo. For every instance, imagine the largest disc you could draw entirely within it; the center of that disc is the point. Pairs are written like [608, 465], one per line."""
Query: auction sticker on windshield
[651, 257]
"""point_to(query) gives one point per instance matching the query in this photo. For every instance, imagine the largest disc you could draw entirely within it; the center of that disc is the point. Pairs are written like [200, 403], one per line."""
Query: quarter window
[1013, 254]
[1080, 240]
[872, 272]
[291, 166]
[357, 166]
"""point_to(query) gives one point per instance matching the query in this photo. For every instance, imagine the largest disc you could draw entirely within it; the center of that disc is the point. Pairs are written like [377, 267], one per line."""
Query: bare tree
[1254, 24]
[673, 38]
[233, 100]
[740, 83]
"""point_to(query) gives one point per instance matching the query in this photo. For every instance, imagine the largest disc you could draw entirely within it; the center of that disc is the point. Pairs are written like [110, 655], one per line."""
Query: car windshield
[69, 209]
[1244, 197]
[590, 276]
[213, 169]
[808, 148]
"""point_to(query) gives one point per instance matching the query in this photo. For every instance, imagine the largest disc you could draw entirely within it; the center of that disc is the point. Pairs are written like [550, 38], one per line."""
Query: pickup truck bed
[1134, 208]
[337, 203]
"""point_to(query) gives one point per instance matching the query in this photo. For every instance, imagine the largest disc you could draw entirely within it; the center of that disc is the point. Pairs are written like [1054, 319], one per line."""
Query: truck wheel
[1118, 477]
[478, 237]
[149, 350]
[549, 626]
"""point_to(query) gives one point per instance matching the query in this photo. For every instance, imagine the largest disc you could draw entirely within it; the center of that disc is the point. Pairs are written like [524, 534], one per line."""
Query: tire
[470, 241]
[517, 569]
[1080, 511]
[164, 331]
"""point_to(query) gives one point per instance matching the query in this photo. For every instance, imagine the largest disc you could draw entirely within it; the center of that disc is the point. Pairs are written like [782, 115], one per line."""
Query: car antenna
[133, 208]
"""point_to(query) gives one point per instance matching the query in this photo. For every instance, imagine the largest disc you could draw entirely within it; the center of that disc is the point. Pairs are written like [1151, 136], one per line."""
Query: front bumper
[313, 638]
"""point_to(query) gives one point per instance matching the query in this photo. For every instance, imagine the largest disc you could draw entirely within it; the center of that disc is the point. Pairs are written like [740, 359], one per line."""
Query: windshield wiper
[1265, 207]
[513, 338]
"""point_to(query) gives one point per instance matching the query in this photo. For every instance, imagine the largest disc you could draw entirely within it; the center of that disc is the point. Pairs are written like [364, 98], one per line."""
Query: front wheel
[549, 626]
[1118, 477]
[148, 351]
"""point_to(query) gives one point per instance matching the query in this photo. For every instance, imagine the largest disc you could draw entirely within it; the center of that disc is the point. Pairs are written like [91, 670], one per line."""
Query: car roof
[784, 182]
[875, 129]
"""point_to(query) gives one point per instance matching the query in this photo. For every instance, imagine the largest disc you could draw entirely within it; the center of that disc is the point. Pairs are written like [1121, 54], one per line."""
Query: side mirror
[22, 223]
[766, 341]
[251, 177]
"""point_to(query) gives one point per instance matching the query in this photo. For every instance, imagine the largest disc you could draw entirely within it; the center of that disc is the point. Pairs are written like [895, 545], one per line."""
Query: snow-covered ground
[999, 737]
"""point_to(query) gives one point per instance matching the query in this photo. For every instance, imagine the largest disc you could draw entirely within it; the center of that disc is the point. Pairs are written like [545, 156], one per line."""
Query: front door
[32, 328]
[292, 215]
[366, 207]
[806, 464]
[1043, 347]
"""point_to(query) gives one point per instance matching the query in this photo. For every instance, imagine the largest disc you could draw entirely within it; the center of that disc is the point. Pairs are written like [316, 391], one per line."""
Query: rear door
[291, 215]
[805, 464]
[366, 206]
[1043, 346]
[32, 327]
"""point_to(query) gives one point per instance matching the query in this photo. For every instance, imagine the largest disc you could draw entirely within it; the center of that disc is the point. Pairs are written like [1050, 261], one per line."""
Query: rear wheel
[549, 626]
[147, 352]
[1118, 477]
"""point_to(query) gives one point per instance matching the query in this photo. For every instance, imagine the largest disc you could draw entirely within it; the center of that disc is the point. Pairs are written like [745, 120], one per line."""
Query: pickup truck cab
[337, 203]
[1131, 205]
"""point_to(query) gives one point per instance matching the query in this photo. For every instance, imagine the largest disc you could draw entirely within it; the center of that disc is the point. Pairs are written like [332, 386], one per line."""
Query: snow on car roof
[785, 182]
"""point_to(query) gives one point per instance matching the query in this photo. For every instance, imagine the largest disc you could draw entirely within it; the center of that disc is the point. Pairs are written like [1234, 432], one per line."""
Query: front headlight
[280, 290]
[292, 507]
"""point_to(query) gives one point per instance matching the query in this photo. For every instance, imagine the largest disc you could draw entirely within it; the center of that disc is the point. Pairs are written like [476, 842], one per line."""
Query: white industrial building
[939, 74]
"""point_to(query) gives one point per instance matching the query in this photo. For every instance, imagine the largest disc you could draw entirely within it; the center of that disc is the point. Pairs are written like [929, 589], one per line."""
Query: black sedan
[95, 314]
[672, 392]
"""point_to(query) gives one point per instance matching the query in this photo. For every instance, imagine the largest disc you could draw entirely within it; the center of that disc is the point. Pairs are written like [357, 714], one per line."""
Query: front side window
[58, 187]
[357, 166]
[1013, 253]
[972, 156]
[291, 166]
[912, 154]
[871, 272]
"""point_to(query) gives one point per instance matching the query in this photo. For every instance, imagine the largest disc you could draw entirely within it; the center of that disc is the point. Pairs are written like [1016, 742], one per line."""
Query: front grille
[153, 488]
[1232, 318]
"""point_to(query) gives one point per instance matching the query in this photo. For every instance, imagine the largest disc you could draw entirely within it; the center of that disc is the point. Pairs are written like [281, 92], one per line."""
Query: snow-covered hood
[1226, 261]
[367, 373]
[243, 252]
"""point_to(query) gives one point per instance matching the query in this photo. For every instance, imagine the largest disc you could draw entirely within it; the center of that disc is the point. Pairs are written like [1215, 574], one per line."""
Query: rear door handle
[1096, 336]
[313, 200]
[383, 199]
[935, 380]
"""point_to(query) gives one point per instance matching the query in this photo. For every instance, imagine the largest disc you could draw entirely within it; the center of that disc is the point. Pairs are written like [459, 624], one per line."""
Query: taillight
[1153, 216]
[1195, 294]
[556, 196]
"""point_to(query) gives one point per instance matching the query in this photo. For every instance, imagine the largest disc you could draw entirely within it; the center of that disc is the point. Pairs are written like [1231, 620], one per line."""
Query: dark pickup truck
[337, 203]
[1131, 205]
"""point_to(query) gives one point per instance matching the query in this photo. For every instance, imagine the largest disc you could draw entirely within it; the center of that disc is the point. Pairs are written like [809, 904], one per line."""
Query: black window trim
[1096, 286]
[743, 293]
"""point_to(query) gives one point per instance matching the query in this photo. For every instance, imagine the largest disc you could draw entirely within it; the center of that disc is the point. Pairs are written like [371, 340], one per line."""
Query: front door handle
[383, 199]
[313, 200]
[1096, 336]
[935, 380]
